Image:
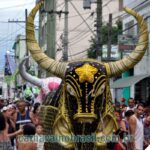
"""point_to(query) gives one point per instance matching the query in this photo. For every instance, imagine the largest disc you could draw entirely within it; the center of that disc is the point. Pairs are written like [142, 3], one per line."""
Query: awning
[128, 81]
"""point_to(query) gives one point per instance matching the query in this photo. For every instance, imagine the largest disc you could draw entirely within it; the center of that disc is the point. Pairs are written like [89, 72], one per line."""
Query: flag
[10, 68]
[11, 63]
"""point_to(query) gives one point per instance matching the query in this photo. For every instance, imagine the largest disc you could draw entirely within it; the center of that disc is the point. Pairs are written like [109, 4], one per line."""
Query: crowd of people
[20, 118]
[16, 119]
[134, 123]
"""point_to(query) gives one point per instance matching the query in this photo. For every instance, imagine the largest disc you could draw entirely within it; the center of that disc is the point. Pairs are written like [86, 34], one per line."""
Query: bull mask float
[85, 103]
[47, 85]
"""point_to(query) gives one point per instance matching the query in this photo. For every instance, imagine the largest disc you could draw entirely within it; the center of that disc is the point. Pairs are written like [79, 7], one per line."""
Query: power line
[60, 4]
[77, 36]
[122, 15]
[14, 33]
[79, 39]
[78, 53]
[80, 34]
[3, 8]
[107, 3]
[122, 31]
[80, 24]
[82, 18]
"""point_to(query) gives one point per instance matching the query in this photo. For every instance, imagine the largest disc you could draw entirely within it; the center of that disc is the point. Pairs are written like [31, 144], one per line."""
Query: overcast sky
[11, 10]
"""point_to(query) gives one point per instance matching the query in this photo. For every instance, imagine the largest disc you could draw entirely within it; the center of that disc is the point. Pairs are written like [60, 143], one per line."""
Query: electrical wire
[107, 3]
[7, 40]
[60, 4]
[80, 34]
[124, 14]
[136, 6]
[82, 18]
[80, 24]
[122, 31]
[4, 8]
[13, 33]
[78, 37]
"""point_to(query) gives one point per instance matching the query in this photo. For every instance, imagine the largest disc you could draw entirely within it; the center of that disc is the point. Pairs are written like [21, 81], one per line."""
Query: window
[130, 28]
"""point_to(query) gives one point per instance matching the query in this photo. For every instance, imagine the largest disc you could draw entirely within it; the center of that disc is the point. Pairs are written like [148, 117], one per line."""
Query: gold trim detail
[62, 125]
[85, 117]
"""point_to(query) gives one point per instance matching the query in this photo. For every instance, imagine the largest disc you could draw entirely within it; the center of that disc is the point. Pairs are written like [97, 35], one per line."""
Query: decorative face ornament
[86, 82]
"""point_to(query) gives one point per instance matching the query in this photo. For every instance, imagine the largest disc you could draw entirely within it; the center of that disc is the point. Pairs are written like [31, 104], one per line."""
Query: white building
[20, 52]
[138, 83]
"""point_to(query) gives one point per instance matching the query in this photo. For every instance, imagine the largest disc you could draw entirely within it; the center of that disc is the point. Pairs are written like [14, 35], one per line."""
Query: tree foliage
[116, 30]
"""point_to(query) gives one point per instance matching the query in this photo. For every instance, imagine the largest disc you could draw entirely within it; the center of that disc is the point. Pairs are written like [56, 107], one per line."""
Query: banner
[10, 68]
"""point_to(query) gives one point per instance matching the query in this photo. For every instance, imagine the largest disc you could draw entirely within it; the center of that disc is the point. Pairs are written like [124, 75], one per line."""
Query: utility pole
[99, 30]
[109, 37]
[27, 52]
[50, 7]
[22, 21]
[65, 53]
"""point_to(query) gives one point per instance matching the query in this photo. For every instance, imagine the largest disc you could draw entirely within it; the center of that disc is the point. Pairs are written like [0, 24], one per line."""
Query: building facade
[20, 52]
[136, 82]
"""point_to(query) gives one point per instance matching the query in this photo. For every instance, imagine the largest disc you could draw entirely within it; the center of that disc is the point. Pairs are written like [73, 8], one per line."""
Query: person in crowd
[147, 130]
[122, 99]
[28, 130]
[1, 102]
[123, 107]
[11, 125]
[131, 104]
[137, 102]
[120, 145]
[136, 131]
[11, 131]
[122, 103]
[39, 131]
[5, 143]
[35, 114]
[121, 123]
[117, 106]
[139, 112]
[23, 116]
[146, 110]
[123, 110]
[14, 110]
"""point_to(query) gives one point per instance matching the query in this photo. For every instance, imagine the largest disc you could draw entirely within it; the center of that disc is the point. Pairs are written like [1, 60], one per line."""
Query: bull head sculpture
[46, 85]
[85, 105]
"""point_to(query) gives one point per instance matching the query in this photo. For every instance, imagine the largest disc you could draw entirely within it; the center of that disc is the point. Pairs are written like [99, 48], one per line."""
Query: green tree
[116, 30]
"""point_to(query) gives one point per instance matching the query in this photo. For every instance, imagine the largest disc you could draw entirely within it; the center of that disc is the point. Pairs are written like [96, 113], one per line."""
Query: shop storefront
[137, 87]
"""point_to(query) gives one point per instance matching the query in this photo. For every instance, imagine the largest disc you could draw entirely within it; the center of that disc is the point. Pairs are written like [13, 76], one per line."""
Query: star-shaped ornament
[86, 73]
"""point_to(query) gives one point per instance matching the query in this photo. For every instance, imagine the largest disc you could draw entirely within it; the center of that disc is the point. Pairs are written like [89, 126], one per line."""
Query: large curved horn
[54, 67]
[128, 62]
[26, 76]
